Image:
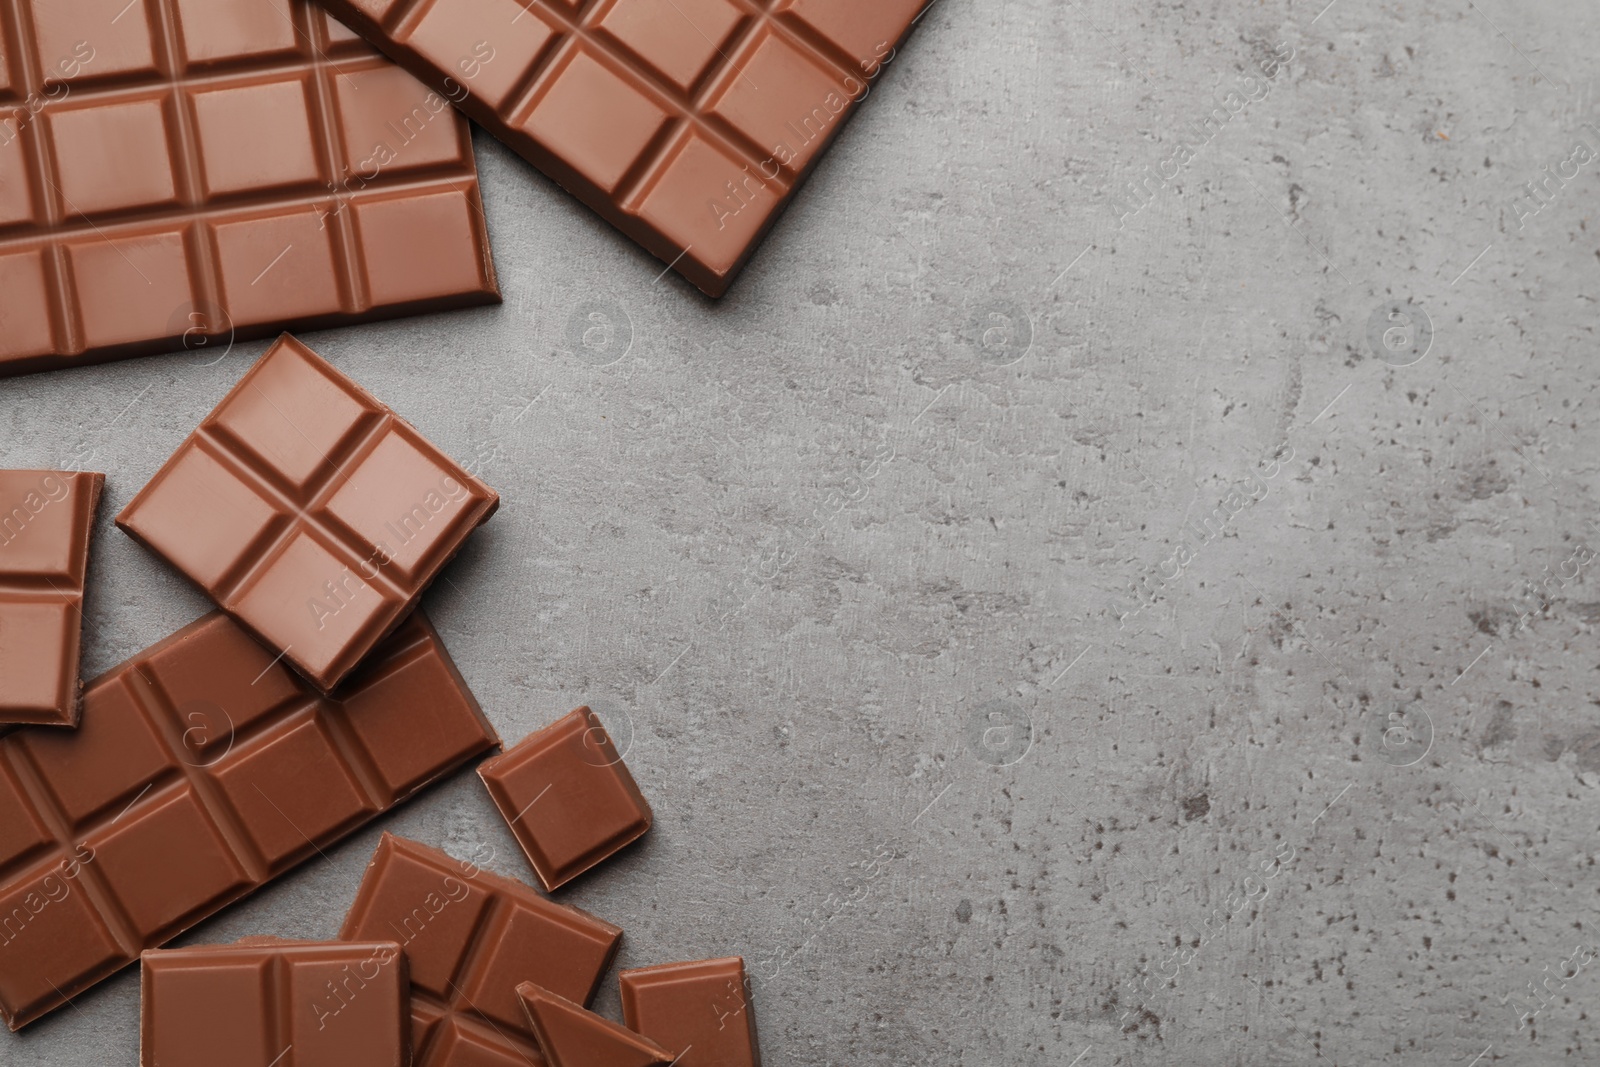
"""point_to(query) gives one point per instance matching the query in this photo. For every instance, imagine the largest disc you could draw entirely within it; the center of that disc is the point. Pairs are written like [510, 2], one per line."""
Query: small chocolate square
[568, 797]
[699, 1011]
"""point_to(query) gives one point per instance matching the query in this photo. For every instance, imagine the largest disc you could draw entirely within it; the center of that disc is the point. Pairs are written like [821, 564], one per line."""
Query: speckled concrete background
[1102, 589]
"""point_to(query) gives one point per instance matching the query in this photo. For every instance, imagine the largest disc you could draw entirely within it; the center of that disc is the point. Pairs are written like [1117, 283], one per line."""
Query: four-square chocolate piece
[571, 1036]
[700, 1011]
[309, 512]
[46, 518]
[270, 1003]
[568, 797]
[472, 937]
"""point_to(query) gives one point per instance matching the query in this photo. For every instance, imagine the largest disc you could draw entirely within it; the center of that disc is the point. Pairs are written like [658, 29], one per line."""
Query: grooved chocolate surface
[569, 799]
[572, 1036]
[686, 123]
[46, 518]
[309, 511]
[185, 171]
[700, 1011]
[203, 768]
[270, 1003]
[472, 937]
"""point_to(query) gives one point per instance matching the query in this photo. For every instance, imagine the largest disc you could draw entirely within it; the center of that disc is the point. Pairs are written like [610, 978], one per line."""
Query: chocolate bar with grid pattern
[203, 768]
[309, 511]
[266, 1002]
[184, 172]
[46, 518]
[472, 937]
[688, 124]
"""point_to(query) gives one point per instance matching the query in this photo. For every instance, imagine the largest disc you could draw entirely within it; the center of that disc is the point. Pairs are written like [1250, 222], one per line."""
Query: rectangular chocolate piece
[46, 518]
[686, 123]
[270, 1003]
[569, 799]
[308, 511]
[701, 1012]
[472, 937]
[203, 768]
[183, 172]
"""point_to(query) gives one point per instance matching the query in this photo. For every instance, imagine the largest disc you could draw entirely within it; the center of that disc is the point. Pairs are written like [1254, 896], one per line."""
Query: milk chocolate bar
[701, 1011]
[184, 172]
[568, 797]
[269, 1003]
[309, 512]
[688, 124]
[472, 937]
[46, 518]
[202, 769]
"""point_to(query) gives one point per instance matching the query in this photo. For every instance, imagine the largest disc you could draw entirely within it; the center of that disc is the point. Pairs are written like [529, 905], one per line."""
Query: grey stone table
[1112, 584]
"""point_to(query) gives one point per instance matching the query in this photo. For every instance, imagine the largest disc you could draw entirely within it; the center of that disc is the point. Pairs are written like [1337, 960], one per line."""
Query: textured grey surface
[841, 546]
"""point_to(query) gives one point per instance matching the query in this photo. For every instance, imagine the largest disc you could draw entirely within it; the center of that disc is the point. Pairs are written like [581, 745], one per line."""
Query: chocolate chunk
[700, 1011]
[280, 1003]
[472, 937]
[203, 769]
[688, 124]
[183, 172]
[568, 797]
[46, 518]
[571, 1036]
[309, 512]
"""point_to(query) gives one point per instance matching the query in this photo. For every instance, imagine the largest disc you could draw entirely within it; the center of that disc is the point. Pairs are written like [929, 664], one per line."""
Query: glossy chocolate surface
[701, 1011]
[472, 937]
[270, 1003]
[688, 124]
[568, 797]
[202, 769]
[46, 518]
[184, 172]
[309, 511]
[571, 1036]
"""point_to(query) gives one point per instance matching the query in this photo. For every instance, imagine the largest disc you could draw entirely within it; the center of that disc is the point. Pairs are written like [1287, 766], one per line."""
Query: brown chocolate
[700, 1011]
[472, 937]
[203, 768]
[46, 518]
[309, 512]
[568, 797]
[571, 1036]
[688, 124]
[270, 1003]
[182, 172]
